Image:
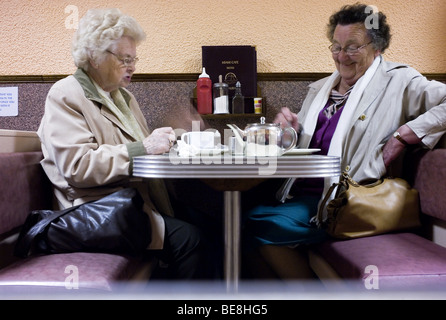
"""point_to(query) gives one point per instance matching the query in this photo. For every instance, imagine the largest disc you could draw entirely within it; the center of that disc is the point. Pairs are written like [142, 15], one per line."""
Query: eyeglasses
[126, 61]
[350, 50]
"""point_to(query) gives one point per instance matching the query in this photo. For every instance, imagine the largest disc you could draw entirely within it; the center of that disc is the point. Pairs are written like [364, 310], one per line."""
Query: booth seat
[413, 259]
[24, 187]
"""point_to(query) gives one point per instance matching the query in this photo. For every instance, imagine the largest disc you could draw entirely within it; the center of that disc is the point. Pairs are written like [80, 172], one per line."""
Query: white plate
[297, 151]
[213, 152]
[208, 152]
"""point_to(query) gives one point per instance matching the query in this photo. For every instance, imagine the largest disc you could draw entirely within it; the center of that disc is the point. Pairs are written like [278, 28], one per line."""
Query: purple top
[321, 139]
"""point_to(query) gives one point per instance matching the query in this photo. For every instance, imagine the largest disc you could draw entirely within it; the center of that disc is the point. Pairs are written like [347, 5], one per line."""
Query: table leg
[232, 214]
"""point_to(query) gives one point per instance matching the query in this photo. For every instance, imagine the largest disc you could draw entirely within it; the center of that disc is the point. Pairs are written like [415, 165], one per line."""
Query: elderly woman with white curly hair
[93, 127]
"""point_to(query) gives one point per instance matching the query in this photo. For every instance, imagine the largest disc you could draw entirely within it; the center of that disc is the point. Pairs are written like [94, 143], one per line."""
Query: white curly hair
[98, 30]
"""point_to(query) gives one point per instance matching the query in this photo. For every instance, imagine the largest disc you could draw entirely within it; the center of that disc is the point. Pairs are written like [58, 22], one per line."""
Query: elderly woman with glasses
[367, 113]
[93, 127]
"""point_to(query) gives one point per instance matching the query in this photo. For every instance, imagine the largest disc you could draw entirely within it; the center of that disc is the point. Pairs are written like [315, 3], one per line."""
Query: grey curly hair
[358, 13]
[98, 30]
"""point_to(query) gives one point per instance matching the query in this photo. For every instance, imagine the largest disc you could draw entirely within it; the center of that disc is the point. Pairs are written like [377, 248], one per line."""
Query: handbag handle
[324, 201]
[27, 236]
[344, 180]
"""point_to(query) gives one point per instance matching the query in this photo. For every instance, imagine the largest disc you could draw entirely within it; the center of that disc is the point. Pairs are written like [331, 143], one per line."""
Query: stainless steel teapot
[264, 139]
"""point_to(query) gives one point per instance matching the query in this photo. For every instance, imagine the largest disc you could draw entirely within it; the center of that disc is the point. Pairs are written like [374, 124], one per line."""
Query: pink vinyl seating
[409, 260]
[25, 187]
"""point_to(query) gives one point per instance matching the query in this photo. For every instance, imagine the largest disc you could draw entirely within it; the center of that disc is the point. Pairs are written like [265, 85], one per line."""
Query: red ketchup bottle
[204, 93]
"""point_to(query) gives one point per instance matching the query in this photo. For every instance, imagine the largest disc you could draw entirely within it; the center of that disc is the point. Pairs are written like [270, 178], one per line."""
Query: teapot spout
[238, 133]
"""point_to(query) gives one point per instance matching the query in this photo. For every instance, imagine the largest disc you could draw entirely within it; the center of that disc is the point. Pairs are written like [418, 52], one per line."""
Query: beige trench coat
[88, 153]
[396, 95]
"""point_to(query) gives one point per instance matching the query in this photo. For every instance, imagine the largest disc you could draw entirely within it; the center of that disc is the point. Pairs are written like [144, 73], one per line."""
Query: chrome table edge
[166, 166]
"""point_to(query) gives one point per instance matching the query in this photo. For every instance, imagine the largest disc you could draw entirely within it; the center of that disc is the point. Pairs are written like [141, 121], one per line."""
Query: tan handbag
[387, 205]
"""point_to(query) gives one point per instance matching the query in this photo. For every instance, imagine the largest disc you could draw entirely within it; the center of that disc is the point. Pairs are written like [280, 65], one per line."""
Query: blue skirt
[286, 224]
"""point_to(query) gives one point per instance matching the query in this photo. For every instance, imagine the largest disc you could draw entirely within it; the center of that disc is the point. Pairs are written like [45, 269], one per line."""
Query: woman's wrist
[398, 136]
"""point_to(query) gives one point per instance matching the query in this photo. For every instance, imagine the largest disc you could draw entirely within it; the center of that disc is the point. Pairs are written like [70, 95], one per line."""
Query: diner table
[233, 175]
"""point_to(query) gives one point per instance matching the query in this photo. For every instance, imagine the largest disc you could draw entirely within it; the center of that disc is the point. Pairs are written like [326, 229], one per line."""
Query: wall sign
[9, 101]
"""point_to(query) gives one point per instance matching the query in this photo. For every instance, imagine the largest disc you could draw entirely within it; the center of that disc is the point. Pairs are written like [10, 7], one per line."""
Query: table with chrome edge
[234, 169]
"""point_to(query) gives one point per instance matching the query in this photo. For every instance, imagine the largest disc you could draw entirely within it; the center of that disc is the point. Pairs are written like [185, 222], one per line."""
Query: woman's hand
[160, 140]
[286, 118]
[393, 148]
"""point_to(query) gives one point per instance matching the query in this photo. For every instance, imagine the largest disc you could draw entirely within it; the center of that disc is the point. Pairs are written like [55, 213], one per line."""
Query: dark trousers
[197, 203]
[183, 255]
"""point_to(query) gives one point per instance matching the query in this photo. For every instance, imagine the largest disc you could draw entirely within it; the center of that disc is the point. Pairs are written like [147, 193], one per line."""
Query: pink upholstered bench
[25, 187]
[399, 260]
[87, 271]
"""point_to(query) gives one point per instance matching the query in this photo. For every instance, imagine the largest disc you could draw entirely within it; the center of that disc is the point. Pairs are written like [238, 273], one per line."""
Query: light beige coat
[396, 95]
[88, 153]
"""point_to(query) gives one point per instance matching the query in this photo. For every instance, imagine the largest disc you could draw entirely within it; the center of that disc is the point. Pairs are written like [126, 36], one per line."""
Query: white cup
[199, 139]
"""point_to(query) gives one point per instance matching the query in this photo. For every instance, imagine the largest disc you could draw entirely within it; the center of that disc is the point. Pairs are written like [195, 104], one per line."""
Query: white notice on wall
[9, 101]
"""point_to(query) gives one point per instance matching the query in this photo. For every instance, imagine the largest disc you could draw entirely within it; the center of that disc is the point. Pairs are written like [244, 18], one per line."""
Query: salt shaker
[221, 97]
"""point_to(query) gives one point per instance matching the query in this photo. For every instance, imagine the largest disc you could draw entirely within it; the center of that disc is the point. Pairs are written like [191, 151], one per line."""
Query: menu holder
[234, 63]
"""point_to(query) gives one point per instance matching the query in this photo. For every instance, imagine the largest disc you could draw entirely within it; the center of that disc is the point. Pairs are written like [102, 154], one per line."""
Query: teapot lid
[262, 123]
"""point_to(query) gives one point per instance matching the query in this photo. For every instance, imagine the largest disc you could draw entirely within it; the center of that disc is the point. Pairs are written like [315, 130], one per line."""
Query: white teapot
[264, 139]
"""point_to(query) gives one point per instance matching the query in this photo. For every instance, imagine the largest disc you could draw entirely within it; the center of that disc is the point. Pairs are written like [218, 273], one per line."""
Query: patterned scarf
[117, 104]
[336, 101]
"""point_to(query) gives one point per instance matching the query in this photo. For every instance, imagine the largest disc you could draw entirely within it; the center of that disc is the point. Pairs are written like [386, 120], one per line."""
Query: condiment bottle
[204, 93]
[258, 105]
[221, 98]
[238, 101]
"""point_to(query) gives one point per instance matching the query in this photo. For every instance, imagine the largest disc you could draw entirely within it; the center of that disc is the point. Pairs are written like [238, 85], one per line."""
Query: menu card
[234, 63]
